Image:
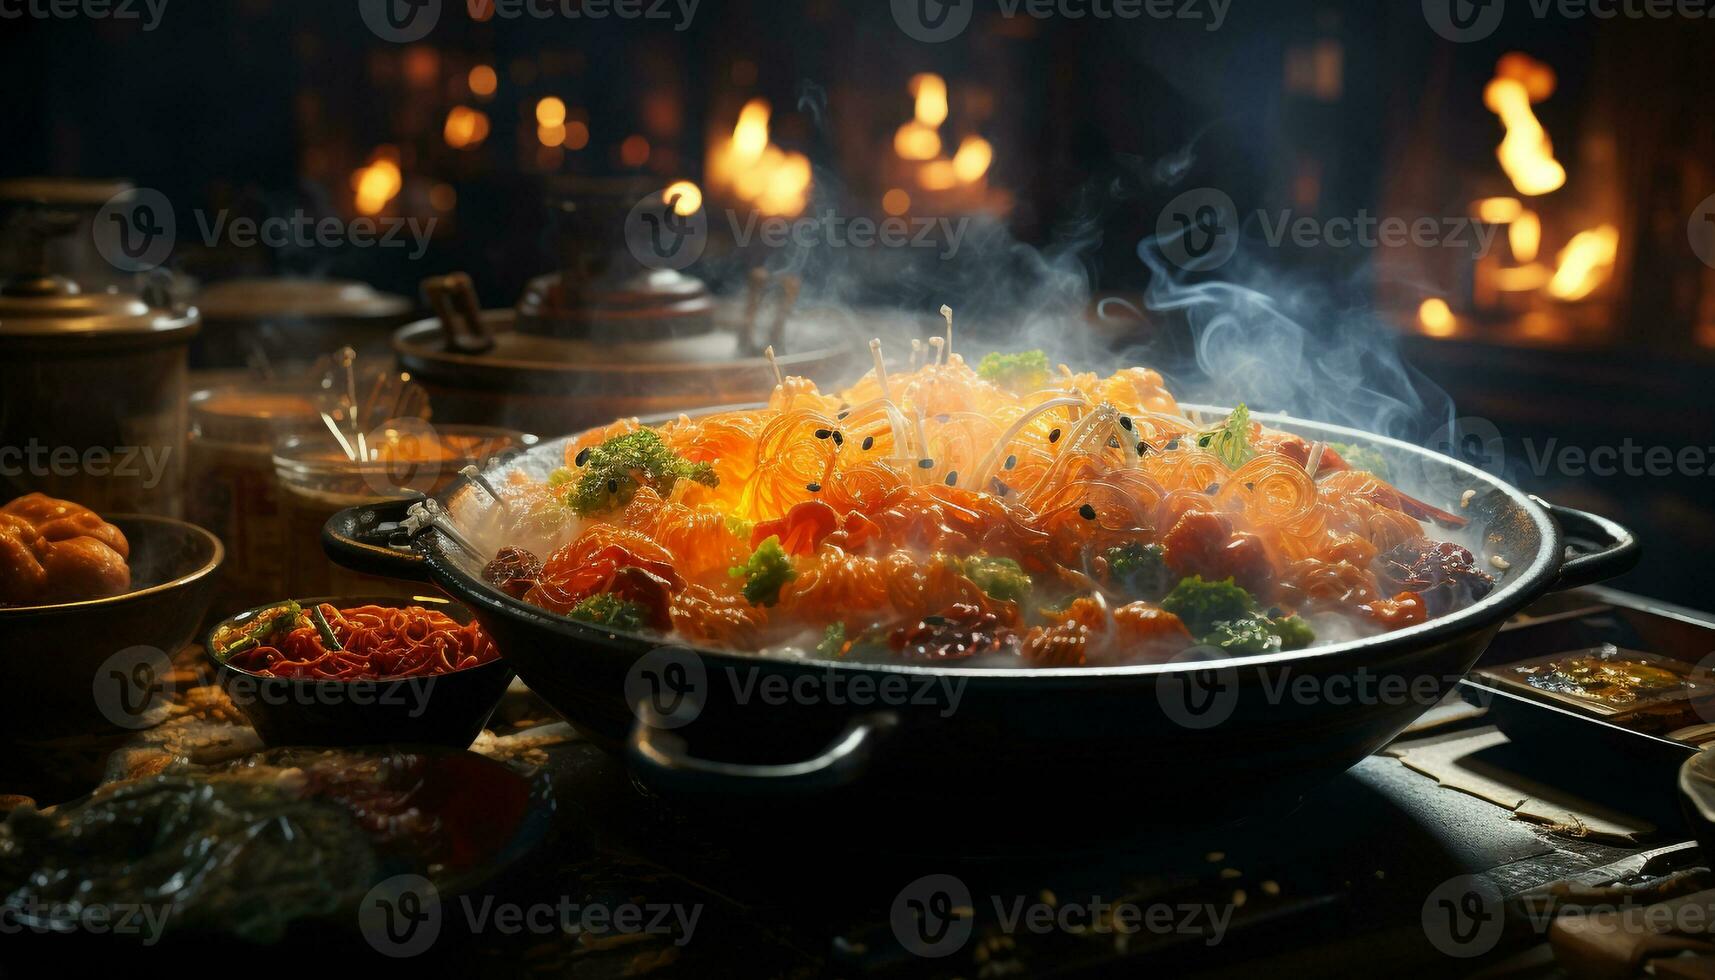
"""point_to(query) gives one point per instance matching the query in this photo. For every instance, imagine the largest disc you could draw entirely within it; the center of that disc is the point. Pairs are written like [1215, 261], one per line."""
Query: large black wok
[1190, 734]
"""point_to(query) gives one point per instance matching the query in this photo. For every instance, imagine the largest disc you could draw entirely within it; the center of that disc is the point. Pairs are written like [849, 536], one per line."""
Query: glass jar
[317, 479]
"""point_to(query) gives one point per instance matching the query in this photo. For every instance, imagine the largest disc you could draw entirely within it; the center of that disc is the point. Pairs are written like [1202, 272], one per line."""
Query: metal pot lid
[51, 307]
[296, 298]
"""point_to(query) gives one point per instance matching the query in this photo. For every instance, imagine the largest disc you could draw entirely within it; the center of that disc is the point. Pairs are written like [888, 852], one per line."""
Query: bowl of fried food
[92, 609]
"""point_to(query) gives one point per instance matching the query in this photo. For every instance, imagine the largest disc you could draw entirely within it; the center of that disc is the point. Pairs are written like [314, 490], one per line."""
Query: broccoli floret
[1025, 371]
[1200, 605]
[613, 472]
[765, 573]
[833, 641]
[1140, 570]
[1294, 633]
[1000, 578]
[1362, 458]
[1257, 633]
[609, 610]
[1231, 440]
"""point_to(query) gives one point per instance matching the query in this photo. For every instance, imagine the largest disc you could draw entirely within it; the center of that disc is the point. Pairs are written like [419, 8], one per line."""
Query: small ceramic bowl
[442, 709]
[99, 665]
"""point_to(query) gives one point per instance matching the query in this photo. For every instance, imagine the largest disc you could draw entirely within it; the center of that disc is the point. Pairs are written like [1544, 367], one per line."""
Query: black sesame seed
[1087, 512]
[1142, 448]
[843, 416]
[1250, 486]
[824, 433]
[1172, 444]
[1125, 422]
[953, 478]
[839, 440]
[1214, 488]
[613, 486]
[1011, 461]
[925, 464]
[868, 443]
[1054, 436]
[1113, 443]
[583, 457]
[813, 487]
[1001, 489]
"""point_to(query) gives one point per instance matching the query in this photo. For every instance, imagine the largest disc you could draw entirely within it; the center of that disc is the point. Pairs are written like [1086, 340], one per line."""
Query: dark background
[1328, 108]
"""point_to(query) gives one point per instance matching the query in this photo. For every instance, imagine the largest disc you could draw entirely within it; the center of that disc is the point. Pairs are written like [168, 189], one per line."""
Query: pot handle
[370, 538]
[1612, 548]
[660, 757]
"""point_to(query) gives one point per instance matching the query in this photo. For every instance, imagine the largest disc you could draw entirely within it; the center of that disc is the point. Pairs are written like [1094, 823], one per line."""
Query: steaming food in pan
[1010, 513]
[54, 551]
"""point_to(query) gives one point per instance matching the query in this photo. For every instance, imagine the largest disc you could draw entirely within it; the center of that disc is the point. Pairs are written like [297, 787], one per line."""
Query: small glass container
[405, 459]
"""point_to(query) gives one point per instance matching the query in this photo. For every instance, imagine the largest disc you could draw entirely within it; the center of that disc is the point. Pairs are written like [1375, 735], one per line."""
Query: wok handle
[1606, 549]
[368, 538]
[660, 756]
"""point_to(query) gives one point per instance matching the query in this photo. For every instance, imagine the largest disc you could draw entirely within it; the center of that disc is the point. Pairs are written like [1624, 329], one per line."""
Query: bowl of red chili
[360, 671]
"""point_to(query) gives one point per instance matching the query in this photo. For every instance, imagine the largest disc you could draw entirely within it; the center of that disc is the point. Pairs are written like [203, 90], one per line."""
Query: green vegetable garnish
[833, 641]
[1231, 440]
[1140, 570]
[765, 573]
[614, 471]
[1294, 633]
[1241, 636]
[1024, 371]
[1257, 633]
[1362, 458]
[1200, 605]
[999, 578]
[261, 626]
[321, 624]
[609, 610]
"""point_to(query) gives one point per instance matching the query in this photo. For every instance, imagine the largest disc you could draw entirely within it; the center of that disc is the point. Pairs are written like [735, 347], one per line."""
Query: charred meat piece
[513, 571]
[958, 632]
[1444, 574]
[1205, 544]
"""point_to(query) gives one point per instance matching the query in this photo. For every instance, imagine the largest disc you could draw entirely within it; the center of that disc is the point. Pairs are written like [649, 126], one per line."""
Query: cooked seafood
[1008, 513]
